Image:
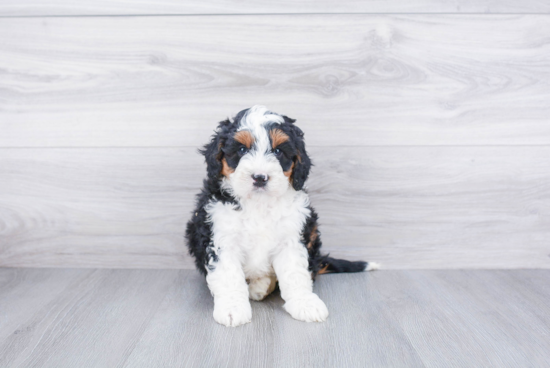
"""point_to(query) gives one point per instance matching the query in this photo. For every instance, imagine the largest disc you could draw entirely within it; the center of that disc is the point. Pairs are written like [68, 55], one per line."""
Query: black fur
[212, 151]
[302, 162]
[199, 231]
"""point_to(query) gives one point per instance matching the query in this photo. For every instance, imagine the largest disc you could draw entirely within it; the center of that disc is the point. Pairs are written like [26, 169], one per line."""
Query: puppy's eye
[277, 152]
[243, 150]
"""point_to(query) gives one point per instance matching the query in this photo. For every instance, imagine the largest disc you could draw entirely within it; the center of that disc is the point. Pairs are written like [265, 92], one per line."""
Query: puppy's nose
[260, 180]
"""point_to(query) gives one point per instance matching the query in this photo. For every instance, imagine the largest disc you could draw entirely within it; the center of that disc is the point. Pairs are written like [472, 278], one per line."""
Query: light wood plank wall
[430, 132]
[196, 7]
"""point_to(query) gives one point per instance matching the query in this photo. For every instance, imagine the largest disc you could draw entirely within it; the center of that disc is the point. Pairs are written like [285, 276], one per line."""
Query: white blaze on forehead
[255, 120]
[259, 116]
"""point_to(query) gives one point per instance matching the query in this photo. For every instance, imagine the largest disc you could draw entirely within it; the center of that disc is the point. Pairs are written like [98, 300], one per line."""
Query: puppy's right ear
[212, 151]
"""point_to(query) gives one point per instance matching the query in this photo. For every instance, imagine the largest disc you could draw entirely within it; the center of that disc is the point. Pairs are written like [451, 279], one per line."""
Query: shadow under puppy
[254, 226]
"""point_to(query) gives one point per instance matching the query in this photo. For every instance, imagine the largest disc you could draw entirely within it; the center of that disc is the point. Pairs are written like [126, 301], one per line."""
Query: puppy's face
[259, 153]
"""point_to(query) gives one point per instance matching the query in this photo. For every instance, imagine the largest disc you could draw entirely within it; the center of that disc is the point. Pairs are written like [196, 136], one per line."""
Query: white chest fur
[257, 230]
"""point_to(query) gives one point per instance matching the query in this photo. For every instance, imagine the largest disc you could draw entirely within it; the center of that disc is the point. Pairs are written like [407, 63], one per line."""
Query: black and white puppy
[254, 226]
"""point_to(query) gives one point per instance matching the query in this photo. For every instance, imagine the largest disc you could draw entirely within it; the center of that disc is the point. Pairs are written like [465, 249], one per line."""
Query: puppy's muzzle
[260, 180]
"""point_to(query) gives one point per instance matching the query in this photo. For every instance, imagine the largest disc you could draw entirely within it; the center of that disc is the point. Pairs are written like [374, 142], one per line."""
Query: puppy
[254, 226]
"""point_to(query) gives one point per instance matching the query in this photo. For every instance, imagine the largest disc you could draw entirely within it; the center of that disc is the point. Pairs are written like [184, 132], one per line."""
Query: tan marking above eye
[278, 137]
[244, 137]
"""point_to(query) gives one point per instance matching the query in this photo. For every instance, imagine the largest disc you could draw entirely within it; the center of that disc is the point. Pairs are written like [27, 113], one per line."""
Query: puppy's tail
[332, 265]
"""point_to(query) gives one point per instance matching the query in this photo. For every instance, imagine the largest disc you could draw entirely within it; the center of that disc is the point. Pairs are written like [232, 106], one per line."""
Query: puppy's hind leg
[261, 287]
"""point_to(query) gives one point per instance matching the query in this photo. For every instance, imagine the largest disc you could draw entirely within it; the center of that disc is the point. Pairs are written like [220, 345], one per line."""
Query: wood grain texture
[128, 7]
[25, 292]
[407, 207]
[373, 338]
[463, 319]
[191, 341]
[348, 79]
[97, 207]
[139, 318]
[94, 323]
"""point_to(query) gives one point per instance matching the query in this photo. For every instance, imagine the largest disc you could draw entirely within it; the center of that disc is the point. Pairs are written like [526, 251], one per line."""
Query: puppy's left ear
[302, 162]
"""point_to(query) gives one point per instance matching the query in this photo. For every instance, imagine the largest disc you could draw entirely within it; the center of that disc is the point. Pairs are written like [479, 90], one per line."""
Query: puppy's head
[258, 153]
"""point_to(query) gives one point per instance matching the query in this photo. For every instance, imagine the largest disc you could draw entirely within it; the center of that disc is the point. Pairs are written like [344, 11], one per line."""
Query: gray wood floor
[162, 318]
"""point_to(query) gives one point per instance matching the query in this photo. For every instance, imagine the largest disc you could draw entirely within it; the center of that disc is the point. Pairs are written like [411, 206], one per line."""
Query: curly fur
[253, 225]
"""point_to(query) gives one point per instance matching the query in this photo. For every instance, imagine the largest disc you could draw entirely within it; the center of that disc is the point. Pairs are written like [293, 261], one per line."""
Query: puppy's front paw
[308, 308]
[231, 313]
